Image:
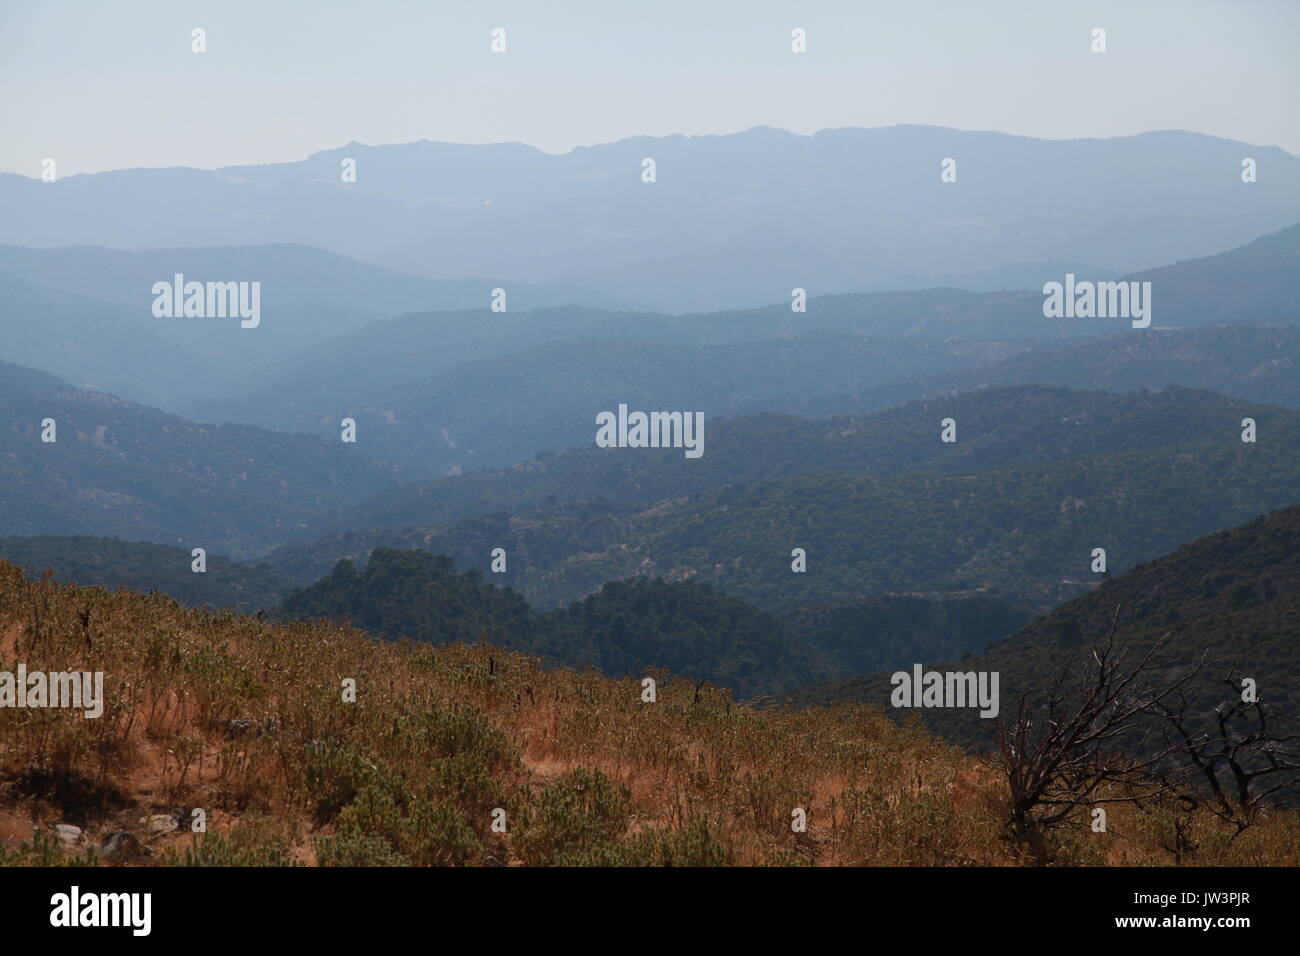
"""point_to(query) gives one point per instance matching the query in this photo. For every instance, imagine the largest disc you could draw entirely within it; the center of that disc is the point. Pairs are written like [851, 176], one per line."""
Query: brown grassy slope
[440, 738]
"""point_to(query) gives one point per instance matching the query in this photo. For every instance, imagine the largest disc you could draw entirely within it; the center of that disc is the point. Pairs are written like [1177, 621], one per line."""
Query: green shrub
[574, 820]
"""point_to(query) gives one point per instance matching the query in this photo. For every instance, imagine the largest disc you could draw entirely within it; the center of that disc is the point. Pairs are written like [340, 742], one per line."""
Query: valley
[623, 484]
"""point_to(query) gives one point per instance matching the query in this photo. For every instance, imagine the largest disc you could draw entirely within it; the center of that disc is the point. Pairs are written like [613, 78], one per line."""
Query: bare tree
[1107, 731]
[1238, 759]
[1062, 753]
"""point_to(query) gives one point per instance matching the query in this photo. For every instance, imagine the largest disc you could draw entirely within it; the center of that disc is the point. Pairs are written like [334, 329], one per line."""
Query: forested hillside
[116, 468]
[997, 428]
[1234, 595]
[889, 631]
[626, 627]
[1016, 508]
[1253, 362]
[142, 566]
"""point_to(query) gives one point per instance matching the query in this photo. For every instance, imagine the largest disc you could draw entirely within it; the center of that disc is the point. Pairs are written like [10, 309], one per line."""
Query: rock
[121, 845]
[163, 823]
[68, 834]
[240, 726]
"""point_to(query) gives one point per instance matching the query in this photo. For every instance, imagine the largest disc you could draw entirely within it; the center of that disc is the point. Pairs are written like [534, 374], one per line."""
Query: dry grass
[440, 738]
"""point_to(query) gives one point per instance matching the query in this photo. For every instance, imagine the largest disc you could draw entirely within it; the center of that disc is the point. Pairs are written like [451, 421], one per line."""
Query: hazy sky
[100, 85]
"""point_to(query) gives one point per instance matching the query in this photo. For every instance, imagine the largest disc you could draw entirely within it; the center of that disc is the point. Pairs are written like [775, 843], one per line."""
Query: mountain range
[460, 391]
[97, 325]
[733, 220]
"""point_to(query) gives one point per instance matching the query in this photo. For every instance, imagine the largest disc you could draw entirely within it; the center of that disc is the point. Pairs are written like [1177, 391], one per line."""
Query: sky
[100, 86]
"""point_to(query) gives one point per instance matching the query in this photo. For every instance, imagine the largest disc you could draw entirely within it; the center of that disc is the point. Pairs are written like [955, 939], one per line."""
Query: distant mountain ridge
[465, 390]
[108, 336]
[440, 390]
[734, 220]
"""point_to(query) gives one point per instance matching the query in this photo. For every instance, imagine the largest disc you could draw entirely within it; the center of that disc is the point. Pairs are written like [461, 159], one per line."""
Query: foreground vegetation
[246, 721]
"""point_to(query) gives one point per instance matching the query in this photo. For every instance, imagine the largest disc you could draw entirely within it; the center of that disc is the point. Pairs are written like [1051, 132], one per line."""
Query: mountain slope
[1254, 362]
[469, 390]
[495, 411]
[117, 468]
[997, 428]
[625, 628]
[1235, 594]
[437, 738]
[102, 302]
[101, 345]
[890, 631]
[1017, 512]
[142, 566]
